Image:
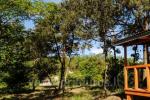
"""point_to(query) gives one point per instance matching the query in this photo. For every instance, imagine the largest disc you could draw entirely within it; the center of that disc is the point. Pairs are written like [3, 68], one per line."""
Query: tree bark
[33, 84]
[62, 62]
[115, 69]
[62, 79]
[62, 75]
[135, 50]
[105, 73]
[67, 69]
[50, 79]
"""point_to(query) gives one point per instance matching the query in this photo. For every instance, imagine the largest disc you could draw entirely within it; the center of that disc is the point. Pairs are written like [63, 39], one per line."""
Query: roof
[139, 38]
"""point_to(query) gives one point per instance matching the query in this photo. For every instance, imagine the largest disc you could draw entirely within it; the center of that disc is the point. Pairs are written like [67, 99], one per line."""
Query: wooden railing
[136, 78]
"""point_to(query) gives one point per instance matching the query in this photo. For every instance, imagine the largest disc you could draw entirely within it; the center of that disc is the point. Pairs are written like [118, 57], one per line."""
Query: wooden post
[136, 82]
[125, 69]
[129, 97]
[125, 78]
[145, 54]
[148, 70]
[148, 54]
[148, 78]
[146, 74]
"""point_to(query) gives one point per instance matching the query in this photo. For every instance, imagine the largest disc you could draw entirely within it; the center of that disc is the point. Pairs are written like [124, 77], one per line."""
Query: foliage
[133, 17]
[13, 54]
[46, 67]
[117, 69]
[92, 68]
[60, 32]
[17, 43]
[13, 10]
[59, 37]
[87, 68]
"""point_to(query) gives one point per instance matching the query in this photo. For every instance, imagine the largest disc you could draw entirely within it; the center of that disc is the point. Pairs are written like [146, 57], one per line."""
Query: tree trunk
[62, 75]
[115, 69]
[146, 23]
[33, 84]
[105, 73]
[67, 69]
[50, 79]
[62, 79]
[135, 50]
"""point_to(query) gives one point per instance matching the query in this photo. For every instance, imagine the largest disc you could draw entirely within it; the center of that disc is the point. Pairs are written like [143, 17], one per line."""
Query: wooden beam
[129, 97]
[138, 66]
[135, 39]
[133, 93]
[145, 54]
[136, 82]
[148, 54]
[148, 70]
[139, 90]
[148, 78]
[125, 78]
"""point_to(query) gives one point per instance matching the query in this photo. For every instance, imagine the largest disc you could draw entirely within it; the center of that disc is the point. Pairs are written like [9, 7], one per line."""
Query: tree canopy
[61, 31]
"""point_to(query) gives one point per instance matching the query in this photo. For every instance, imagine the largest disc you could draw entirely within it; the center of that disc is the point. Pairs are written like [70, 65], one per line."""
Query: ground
[47, 93]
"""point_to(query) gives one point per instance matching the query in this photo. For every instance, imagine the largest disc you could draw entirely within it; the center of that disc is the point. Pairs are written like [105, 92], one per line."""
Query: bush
[17, 76]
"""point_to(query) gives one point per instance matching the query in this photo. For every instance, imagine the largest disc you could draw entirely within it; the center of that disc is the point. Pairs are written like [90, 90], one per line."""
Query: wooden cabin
[137, 90]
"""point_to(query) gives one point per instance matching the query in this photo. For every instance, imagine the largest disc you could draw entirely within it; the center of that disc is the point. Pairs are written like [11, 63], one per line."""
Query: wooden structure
[136, 89]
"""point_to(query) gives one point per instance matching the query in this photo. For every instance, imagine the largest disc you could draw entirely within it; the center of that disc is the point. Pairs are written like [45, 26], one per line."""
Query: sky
[56, 1]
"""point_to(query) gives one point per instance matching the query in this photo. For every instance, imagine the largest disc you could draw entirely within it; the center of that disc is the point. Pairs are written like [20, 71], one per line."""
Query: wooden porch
[136, 90]
[140, 73]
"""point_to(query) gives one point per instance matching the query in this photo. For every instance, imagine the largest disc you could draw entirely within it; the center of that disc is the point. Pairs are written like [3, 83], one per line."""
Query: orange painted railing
[136, 82]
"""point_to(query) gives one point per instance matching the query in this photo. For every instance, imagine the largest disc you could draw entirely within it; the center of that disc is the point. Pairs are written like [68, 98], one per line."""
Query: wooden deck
[136, 91]
[140, 86]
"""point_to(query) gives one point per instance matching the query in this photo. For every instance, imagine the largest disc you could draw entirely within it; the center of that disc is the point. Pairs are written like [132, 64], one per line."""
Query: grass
[48, 93]
[77, 94]
[2, 85]
[82, 96]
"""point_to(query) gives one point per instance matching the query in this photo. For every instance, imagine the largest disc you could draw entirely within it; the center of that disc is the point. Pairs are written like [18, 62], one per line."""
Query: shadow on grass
[52, 93]
[99, 93]
[27, 94]
[15, 91]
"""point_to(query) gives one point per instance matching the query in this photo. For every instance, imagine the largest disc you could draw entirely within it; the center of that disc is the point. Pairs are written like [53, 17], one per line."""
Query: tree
[13, 54]
[108, 16]
[12, 37]
[99, 14]
[118, 67]
[92, 68]
[86, 69]
[40, 45]
[59, 29]
[134, 17]
[16, 42]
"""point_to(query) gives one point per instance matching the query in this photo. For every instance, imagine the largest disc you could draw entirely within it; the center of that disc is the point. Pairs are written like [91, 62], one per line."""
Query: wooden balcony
[135, 90]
